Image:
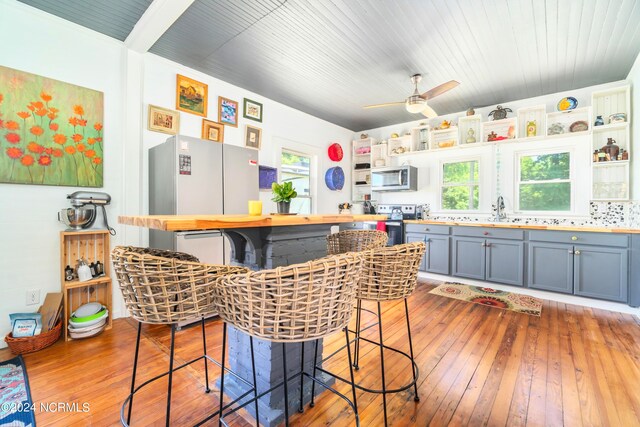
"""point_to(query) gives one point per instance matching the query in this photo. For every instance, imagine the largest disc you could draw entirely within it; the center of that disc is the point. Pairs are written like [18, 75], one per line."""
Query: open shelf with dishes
[469, 129]
[91, 246]
[532, 121]
[361, 155]
[611, 142]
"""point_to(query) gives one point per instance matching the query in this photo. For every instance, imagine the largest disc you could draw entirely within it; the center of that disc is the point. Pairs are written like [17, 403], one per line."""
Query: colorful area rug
[491, 297]
[15, 398]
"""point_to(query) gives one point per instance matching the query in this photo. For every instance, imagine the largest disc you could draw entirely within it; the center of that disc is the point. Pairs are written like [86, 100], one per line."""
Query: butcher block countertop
[212, 222]
[588, 228]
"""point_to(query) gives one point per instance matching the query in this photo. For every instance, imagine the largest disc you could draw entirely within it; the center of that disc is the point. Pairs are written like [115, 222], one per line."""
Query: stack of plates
[88, 320]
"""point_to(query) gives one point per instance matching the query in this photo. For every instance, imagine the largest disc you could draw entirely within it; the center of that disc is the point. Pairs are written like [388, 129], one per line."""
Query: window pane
[545, 167]
[545, 197]
[461, 197]
[300, 205]
[460, 172]
[295, 168]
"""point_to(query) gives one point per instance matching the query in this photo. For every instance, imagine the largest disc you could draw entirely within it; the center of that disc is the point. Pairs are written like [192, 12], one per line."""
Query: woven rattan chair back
[390, 273]
[299, 302]
[166, 289]
[355, 241]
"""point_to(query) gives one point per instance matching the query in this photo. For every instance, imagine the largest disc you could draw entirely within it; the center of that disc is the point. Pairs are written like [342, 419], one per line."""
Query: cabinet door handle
[483, 244]
[574, 238]
[487, 245]
[571, 251]
[577, 252]
[486, 233]
[426, 229]
[427, 240]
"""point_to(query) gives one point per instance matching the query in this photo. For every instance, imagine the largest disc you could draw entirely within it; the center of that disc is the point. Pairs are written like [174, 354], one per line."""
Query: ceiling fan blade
[429, 112]
[439, 90]
[386, 104]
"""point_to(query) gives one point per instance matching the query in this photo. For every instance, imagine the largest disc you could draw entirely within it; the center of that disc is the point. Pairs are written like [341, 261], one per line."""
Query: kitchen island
[262, 242]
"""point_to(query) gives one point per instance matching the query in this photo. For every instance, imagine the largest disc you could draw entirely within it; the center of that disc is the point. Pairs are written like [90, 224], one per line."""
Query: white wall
[29, 230]
[29, 241]
[634, 78]
[282, 127]
[428, 163]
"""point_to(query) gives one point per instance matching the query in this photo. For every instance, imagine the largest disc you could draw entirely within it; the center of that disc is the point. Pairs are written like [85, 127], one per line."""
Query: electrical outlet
[33, 296]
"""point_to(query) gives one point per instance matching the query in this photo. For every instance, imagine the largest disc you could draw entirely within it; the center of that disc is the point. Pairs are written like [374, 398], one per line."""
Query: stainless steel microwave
[394, 178]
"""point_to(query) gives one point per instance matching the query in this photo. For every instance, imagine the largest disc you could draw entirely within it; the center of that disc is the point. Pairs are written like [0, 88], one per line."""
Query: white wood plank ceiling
[331, 57]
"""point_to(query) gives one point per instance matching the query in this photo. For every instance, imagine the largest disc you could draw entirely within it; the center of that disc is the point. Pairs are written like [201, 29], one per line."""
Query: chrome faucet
[499, 207]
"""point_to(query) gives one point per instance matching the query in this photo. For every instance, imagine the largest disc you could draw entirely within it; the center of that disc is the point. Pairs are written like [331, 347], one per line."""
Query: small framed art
[212, 131]
[252, 110]
[252, 137]
[227, 112]
[191, 96]
[163, 120]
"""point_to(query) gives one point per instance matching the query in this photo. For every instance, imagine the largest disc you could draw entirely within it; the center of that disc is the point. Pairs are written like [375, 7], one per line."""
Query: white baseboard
[552, 296]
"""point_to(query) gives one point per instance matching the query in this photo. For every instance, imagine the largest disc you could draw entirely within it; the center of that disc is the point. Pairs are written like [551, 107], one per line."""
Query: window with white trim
[460, 186]
[544, 182]
[296, 167]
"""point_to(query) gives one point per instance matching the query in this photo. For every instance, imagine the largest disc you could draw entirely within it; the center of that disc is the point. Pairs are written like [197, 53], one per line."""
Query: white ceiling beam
[157, 19]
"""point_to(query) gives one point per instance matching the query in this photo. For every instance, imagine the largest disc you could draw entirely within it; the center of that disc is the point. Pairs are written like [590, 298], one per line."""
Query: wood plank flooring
[478, 366]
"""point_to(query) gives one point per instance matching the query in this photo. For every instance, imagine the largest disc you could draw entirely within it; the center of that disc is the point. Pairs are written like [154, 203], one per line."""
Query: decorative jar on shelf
[599, 121]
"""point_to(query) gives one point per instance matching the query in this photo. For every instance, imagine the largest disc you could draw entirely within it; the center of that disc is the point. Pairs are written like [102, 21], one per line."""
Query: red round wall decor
[335, 152]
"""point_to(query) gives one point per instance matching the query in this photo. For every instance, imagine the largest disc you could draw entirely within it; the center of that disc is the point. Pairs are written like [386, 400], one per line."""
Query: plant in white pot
[282, 195]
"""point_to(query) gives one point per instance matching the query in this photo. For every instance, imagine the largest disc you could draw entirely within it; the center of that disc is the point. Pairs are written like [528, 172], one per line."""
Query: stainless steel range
[395, 215]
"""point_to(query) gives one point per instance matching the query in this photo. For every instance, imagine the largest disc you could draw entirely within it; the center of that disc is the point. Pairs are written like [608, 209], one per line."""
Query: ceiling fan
[417, 103]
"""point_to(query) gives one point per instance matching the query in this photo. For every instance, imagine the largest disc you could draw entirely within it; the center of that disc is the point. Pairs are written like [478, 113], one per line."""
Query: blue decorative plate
[334, 178]
[568, 103]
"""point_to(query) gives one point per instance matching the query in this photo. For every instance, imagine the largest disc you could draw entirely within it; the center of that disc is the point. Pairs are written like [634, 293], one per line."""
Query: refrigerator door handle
[199, 234]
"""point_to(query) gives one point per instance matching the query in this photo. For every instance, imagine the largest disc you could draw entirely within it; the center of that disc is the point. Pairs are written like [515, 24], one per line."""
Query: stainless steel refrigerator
[192, 176]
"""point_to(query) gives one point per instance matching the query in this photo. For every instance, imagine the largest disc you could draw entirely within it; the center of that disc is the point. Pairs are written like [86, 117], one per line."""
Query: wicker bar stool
[355, 241]
[388, 274]
[165, 287]
[298, 303]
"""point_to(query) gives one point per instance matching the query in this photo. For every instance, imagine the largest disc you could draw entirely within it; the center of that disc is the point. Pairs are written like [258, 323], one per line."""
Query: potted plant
[282, 195]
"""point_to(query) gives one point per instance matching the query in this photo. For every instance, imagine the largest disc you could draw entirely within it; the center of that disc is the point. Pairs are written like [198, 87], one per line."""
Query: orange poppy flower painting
[46, 126]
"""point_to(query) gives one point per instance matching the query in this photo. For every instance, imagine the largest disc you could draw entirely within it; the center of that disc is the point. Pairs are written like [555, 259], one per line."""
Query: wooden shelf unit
[92, 245]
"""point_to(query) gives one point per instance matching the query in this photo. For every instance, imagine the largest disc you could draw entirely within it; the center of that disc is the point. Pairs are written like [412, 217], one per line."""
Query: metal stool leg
[173, 339]
[384, 386]
[286, 389]
[313, 383]
[356, 350]
[133, 375]
[224, 348]
[255, 381]
[206, 368]
[300, 405]
[353, 382]
[406, 311]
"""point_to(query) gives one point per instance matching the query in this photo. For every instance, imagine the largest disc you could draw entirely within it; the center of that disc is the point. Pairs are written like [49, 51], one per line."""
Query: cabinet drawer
[494, 233]
[580, 238]
[427, 228]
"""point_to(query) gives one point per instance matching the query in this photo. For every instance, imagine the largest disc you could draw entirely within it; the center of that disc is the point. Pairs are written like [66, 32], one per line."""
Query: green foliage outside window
[460, 186]
[545, 182]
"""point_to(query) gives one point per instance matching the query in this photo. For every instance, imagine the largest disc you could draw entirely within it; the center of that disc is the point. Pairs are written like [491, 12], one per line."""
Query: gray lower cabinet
[601, 272]
[437, 254]
[504, 261]
[494, 260]
[550, 267]
[468, 257]
[410, 238]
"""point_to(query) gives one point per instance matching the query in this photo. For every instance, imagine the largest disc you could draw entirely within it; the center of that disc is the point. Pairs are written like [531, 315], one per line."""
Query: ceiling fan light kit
[416, 102]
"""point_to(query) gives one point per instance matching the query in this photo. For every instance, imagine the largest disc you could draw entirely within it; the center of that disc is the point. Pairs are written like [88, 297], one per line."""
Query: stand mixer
[84, 211]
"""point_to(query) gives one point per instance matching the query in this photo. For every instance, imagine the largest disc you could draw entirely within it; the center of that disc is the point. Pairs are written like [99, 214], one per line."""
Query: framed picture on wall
[252, 110]
[163, 120]
[191, 96]
[212, 131]
[227, 112]
[252, 137]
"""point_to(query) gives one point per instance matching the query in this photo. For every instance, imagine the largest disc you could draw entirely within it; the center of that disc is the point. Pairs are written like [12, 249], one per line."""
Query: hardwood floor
[478, 366]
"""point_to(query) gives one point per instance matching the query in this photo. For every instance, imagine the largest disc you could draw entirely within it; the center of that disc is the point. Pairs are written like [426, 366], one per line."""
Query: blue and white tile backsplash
[601, 214]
